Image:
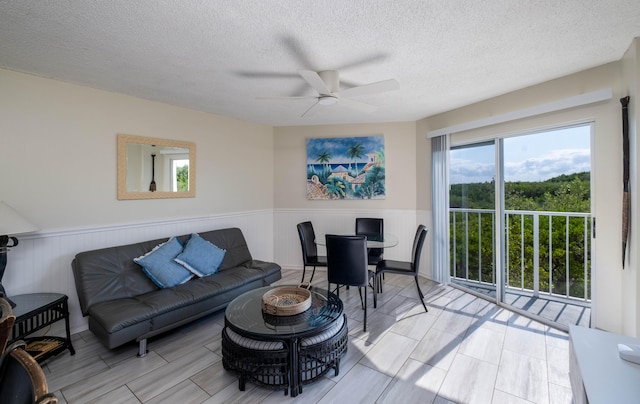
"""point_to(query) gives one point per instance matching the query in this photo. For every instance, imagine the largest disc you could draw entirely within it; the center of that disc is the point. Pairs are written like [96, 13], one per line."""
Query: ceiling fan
[327, 84]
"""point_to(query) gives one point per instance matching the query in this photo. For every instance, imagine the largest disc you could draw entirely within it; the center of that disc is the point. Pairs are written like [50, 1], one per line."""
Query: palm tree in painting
[323, 158]
[355, 152]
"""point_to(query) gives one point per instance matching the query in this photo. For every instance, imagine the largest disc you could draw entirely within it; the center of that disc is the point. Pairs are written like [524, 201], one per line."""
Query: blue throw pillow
[159, 266]
[200, 256]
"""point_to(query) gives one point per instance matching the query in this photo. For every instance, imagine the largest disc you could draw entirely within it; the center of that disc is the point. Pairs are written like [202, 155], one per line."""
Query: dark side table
[35, 311]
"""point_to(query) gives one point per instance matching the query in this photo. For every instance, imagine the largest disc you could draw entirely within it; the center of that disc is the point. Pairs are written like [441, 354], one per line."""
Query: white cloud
[552, 164]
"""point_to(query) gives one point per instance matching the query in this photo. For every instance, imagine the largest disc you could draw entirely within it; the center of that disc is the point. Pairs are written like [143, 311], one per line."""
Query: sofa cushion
[159, 265]
[234, 242]
[200, 256]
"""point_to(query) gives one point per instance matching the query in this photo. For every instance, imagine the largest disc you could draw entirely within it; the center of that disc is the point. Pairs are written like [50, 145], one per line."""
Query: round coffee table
[283, 351]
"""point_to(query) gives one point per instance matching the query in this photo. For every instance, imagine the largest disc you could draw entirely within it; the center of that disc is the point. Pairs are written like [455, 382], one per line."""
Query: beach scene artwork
[346, 168]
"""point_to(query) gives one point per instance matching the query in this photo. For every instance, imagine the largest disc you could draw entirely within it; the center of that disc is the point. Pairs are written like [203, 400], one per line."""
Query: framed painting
[346, 168]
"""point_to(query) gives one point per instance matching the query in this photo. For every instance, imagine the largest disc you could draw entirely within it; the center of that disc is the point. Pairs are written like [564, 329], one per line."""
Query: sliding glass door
[472, 217]
[520, 222]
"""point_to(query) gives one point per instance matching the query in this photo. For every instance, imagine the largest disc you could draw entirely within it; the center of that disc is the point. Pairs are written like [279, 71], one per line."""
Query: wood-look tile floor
[464, 350]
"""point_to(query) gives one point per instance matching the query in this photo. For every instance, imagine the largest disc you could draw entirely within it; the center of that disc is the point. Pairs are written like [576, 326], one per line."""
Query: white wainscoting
[42, 261]
[402, 223]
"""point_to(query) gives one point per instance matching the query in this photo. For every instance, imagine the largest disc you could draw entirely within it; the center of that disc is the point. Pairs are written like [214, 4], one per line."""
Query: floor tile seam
[489, 326]
[379, 371]
[501, 348]
[193, 373]
[130, 391]
[166, 389]
[511, 394]
[84, 376]
[527, 354]
[138, 375]
[546, 372]
[496, 365]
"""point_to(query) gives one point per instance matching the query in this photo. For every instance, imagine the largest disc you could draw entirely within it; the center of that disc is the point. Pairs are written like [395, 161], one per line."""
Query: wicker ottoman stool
[322, 352]
[265, 363]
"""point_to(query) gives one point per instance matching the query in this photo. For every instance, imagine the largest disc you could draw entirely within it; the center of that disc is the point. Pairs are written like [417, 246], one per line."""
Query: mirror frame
[123, 194]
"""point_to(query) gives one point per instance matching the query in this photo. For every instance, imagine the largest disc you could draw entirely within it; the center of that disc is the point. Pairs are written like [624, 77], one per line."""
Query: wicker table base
[283, 352]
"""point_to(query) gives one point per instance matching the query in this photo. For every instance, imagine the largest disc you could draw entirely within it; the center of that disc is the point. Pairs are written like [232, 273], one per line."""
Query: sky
[337, 148]
[535, 157]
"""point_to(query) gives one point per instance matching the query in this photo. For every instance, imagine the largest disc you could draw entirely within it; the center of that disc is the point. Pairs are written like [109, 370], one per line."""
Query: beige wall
[611, 305]
[58, 155]
[400, 158]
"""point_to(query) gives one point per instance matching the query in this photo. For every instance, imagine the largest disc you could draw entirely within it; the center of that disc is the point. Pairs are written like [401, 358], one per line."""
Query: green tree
[182, 178]
[563, 248]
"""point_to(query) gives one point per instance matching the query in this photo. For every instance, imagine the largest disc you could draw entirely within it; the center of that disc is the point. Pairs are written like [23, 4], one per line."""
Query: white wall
[58, 164]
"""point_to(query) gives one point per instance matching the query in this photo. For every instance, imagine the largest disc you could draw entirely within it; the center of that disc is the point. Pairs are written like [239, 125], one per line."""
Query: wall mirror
[151, 168]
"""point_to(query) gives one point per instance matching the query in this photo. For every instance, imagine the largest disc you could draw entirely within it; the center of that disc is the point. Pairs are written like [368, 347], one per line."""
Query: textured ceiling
[219, 55]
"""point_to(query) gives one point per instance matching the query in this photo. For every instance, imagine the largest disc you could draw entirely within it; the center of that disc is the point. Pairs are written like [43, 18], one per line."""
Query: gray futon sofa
[123, 304]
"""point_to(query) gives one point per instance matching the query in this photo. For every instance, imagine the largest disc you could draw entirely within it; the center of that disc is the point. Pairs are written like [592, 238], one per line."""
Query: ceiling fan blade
[357, 105]
[312, 110]
[369, 89]
[288, 98]
[315, 81]
[264, 74]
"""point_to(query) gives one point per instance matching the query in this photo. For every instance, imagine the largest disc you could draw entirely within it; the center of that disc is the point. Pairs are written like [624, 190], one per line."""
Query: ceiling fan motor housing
[332, 79]
[327, 100]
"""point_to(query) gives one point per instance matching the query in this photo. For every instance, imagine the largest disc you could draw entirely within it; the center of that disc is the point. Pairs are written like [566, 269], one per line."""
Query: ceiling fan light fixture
[327, 100]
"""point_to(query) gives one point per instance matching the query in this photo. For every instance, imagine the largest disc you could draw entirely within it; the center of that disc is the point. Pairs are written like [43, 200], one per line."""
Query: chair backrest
[22, 380]
[372, 228]
[307, 241]
[369, 226]
[418, 241]
[347, 260]
[6, 323]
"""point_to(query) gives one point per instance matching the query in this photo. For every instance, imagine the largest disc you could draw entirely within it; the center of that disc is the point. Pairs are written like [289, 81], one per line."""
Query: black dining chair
[373, 228]
[347, 259]
[403, 267]
[310, 257]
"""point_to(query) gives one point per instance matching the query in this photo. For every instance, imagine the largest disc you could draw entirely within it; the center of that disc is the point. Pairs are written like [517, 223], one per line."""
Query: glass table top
[25, 304]
[245, 313]
[374, 241]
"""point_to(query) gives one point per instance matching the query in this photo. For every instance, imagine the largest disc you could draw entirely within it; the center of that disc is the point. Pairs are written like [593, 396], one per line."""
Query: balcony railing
[546, 253]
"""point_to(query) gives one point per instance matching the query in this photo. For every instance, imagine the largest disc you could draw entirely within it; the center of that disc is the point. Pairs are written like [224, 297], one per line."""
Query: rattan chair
[7, 319]
[347, 265]
[22, 379]
[310, 257]
[403, 267]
